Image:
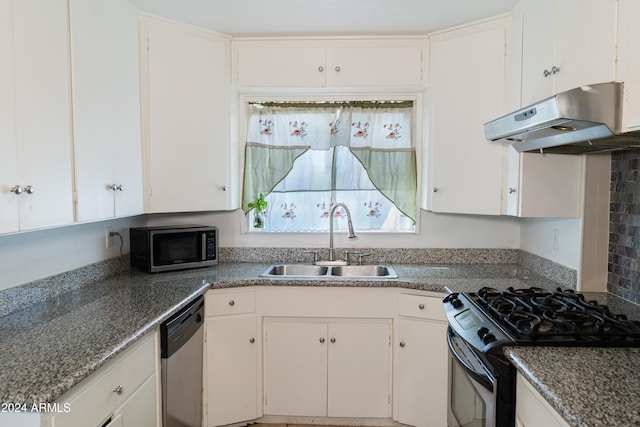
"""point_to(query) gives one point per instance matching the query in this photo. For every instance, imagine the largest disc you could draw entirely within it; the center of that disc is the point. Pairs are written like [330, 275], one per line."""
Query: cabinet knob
[16, 189]
[436, 189]
[252, 340]
[117, 389]
[116, 187]
[333, 340]
[232, 303]
[120, 187]
[337, 69]
[320, 69]
[421, 306]
[321, 340]
[224, 188]
[402, 344]
[29, 189]
[512, 190]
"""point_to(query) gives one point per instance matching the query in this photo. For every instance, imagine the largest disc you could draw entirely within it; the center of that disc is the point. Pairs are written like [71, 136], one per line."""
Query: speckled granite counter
[49, 346]
[588, 387]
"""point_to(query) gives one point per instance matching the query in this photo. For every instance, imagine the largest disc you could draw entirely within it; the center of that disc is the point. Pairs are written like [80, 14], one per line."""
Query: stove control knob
[456, 303]
[489, 338]
[482, 332]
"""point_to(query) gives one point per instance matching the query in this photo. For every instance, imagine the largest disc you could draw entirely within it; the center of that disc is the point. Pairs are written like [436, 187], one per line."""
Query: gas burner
[539, 314]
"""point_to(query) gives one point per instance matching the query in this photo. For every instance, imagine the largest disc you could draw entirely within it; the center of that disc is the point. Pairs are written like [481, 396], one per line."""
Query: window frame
[418, 134]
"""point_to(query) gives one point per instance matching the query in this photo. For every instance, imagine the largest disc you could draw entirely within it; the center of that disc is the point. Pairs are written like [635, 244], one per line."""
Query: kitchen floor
[287, 425]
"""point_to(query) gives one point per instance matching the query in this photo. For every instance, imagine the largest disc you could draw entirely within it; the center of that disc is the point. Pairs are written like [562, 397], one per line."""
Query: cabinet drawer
[222, 304]
[94, 400]
[421, 306]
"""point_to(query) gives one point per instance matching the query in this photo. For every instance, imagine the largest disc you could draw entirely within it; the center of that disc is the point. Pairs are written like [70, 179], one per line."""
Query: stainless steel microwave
[168, 248]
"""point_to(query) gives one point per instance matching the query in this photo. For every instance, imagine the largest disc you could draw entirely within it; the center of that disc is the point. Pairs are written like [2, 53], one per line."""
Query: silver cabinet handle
[421, 306]
[337, 69]
[232, 303]
[333, 340]
[252, 340]
[512, 190]
[120, 187]
[117, 389]
[224, 188]
[16, 189]
[116, 187]
[436, 189]
[29, 189]
[321, 69]
[402, 344]
[321, 340]
[554, 70]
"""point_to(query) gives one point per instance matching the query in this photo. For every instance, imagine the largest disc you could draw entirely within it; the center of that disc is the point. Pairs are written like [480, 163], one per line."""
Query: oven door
[472, 389]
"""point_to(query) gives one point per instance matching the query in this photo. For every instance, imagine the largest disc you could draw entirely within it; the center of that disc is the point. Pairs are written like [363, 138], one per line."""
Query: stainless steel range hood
[587, 119]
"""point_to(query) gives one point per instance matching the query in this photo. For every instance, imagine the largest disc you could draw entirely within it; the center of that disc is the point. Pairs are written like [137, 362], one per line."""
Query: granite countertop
[588, 387]
[48, 347]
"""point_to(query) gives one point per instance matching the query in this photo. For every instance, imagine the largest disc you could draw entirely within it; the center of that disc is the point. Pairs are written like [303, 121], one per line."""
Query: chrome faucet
[352, 235]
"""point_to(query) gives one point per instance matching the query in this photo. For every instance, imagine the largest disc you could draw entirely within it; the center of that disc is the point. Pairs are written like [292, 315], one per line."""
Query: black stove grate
[537, 314]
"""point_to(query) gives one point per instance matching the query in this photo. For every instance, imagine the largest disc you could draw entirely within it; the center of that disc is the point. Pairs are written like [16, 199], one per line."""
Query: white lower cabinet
[123, 393]
[531, 408]
[421, 375]
[315, 367]
[231, 361]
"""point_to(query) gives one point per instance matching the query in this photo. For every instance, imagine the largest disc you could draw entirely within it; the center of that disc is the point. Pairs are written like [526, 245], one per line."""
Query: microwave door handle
[482, 379]
[203, 253]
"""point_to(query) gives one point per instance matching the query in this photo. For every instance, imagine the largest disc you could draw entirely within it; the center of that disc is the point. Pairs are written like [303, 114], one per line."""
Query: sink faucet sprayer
[352, 235]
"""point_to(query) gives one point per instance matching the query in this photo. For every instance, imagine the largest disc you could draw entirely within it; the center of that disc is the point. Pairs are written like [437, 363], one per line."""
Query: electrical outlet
[108, 239]
[556, 239]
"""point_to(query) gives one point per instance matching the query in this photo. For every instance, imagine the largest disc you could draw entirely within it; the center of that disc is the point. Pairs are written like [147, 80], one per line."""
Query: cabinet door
[538, 40]
[465, 170]
[422, 373]
[359, 372]
[8, 172]
[106, 114]
[295, 368]
[585, 42]
[187, 151]
[531, 408]
[232, 374]
[291, 65]
[43, 109]
[629, 61]
[376, 65]
[140, 410]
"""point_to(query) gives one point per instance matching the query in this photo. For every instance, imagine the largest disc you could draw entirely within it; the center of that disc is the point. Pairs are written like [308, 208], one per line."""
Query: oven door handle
[481, 379]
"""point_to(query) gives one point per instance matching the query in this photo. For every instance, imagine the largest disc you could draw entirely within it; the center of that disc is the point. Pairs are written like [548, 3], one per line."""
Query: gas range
[490, 319]
[481, 381]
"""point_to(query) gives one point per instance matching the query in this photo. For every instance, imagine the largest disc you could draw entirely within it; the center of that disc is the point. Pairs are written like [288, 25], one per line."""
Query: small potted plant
[260, 206]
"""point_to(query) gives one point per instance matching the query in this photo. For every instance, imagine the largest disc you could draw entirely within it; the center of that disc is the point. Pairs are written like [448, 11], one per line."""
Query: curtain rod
[333, 104]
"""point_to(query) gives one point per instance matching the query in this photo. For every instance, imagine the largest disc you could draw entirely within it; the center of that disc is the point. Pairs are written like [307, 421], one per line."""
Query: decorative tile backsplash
[623, 278]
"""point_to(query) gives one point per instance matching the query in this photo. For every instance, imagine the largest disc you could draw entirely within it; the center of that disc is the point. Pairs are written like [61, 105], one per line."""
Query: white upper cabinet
[537, 185]
[35, 166]
[467, 86]
[106, 108]
[391, 61]
[629, 61]
[566, 44]
[188, 162]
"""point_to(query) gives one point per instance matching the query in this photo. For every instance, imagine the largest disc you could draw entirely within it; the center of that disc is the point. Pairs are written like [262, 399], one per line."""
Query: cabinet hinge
[147, 40]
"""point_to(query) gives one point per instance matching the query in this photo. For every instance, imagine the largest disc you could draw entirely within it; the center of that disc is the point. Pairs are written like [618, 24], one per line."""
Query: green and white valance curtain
[308, 156]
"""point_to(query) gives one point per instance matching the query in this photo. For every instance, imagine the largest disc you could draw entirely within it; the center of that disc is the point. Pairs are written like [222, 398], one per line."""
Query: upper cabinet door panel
[106, 99]
[43, 112]
[585, 42]
[8, 178]
[285, 66]
[538, 39]
[376, 66]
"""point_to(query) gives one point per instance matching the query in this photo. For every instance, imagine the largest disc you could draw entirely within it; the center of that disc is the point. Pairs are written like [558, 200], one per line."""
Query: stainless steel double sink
[312, 271]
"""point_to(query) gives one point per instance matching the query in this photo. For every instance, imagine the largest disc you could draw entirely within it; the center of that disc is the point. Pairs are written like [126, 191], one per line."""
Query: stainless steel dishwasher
[181, 339]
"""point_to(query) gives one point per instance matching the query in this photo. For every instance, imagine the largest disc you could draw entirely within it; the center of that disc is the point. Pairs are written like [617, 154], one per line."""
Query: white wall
[28, 256]
[437, 231]
[556, 239]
